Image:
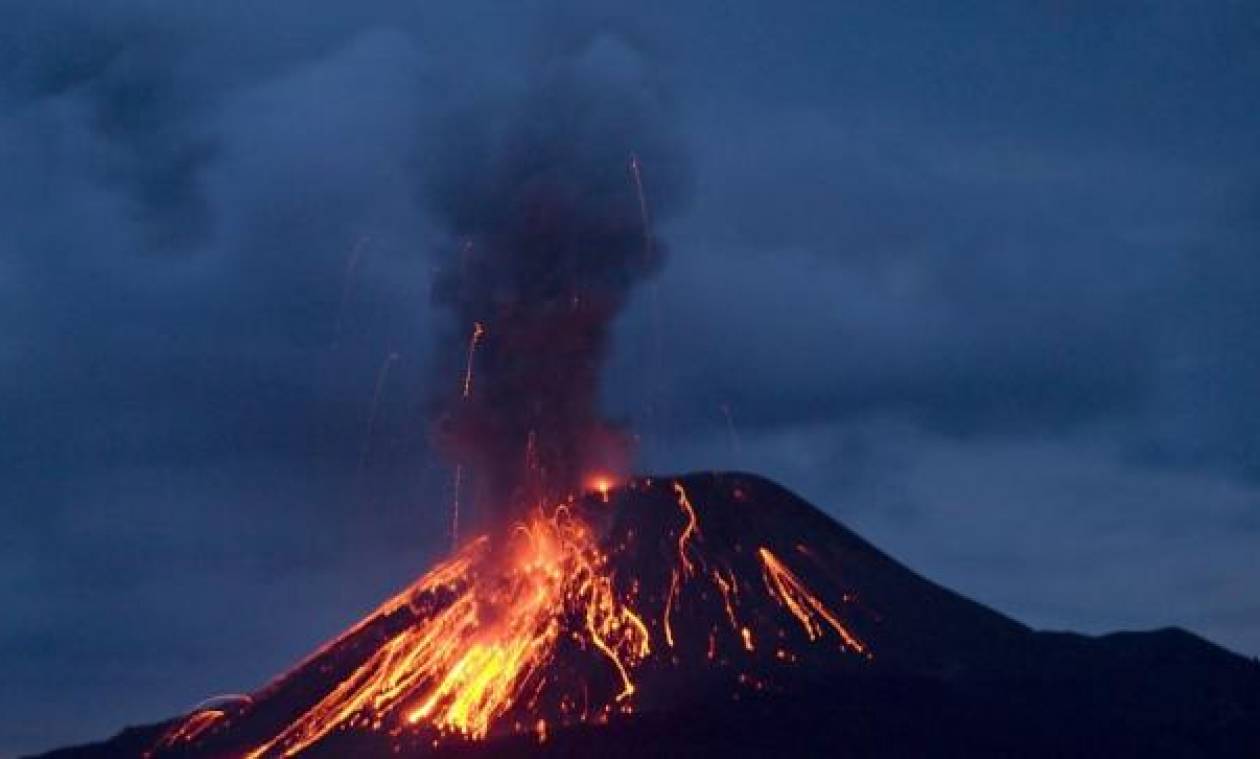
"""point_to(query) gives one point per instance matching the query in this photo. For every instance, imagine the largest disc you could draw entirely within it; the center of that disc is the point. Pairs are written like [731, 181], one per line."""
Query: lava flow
[584, 611]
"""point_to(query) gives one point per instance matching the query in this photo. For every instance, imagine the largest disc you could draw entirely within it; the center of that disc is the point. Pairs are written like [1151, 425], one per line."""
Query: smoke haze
[549, 237]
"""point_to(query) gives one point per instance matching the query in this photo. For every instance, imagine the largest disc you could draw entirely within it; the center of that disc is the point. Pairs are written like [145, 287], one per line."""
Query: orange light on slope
[189, 729]
[692, 528]
[468, 664]
[489, 623]
[793, 595]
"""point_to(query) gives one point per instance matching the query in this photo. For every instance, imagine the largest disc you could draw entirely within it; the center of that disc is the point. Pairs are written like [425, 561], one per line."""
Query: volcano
[713, 614]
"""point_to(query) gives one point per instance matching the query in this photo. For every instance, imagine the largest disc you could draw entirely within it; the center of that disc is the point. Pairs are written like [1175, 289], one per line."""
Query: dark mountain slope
[775, 630]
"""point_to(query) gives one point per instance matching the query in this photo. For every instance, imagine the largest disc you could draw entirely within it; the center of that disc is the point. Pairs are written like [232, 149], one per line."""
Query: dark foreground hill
[760, 627]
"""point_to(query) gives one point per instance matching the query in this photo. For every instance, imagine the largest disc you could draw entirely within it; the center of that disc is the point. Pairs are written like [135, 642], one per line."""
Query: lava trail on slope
[655, 593]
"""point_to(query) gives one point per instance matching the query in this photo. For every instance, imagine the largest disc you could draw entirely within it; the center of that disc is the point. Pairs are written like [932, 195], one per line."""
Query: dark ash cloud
[550, 233]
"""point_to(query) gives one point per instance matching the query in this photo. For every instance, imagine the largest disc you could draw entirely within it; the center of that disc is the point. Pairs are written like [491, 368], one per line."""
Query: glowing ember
[601, 484]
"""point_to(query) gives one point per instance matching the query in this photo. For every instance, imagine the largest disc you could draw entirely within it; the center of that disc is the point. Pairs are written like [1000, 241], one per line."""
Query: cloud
[967, 290]
[186, 359]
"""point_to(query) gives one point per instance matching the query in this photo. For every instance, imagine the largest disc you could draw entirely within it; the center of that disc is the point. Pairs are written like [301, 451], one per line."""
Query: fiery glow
[188, 729]
[666, 624]
[542, 626]
[803, 604]
[692, 528]
[602, 484]
[730, 598]
[472, 661]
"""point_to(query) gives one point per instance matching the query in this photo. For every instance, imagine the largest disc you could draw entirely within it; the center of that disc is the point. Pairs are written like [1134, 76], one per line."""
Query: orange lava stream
[804, 605]
[469, 663]
[481, 628]
[188, 730]
[692, 528]
[669, 608]
[730, 595]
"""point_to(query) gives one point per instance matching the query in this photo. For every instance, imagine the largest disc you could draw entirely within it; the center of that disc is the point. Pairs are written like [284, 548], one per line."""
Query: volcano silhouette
[767, 629]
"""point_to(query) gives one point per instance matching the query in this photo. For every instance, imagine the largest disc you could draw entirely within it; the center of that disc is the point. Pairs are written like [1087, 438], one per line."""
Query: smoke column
[546, 247]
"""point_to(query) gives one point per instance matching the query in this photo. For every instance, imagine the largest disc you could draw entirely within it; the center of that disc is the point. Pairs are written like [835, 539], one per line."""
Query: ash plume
[542, 201]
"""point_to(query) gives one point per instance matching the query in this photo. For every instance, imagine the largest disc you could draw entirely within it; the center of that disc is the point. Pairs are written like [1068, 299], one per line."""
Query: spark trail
[352, 264]
[381, 375]
[474, 339]
[636, 174]
[478, 331]
[657, 337]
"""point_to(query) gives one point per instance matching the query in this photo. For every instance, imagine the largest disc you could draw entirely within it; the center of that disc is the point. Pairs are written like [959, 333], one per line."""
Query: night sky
[982, 280]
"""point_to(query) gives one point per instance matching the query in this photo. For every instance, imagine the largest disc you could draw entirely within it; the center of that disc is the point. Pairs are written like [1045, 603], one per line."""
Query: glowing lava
[602, 484]
[547, 624]
[471, 662]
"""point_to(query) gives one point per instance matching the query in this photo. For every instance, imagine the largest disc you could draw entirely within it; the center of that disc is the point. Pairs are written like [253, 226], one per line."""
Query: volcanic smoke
[550, 220]
[569, 604]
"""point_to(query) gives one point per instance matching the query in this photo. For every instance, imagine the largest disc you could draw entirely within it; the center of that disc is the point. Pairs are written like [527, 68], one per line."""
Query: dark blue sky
[980, 279]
